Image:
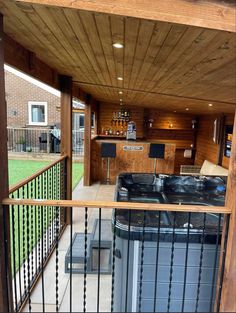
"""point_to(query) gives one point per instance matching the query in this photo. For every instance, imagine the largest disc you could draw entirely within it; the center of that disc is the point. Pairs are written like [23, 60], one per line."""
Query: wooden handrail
[120, 205]
[38, 173]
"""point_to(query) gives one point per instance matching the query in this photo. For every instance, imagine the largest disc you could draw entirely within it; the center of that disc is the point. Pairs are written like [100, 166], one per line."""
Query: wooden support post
[228, 296]
[87, 141]
[6, 303]
[66, 133]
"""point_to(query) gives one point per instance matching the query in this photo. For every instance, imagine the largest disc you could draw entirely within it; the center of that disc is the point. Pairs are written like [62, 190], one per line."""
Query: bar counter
[131, 156]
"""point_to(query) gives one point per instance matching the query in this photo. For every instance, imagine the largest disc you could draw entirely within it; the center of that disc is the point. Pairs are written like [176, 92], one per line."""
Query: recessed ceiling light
[187, 109]
[120, 92]
[120, 78]
[174, 111]
[118, 45]
[210, 105]
[121, 100]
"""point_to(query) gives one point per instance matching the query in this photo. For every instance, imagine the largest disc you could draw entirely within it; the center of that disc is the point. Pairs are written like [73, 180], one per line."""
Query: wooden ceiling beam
[27, 61]
[213, 14]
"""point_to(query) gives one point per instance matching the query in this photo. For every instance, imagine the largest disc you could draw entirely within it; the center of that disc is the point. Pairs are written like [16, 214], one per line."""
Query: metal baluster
[39, 227]
[157, 260]
[227, 217]
[57, 259]
[14, 252]
[54, 197]
[19, 245]
[201, 259]
[171, 263]
[32, 231]
[42, 260]
[215, 263]
[7, 263]
[50, 208]
[45, 215]
[186, 262]
[71, 234]
[142, 259]
[99, 258]
[28, 252]
[44, 219]
[23, 239]
[113, 262]
[85, 255]
[48, 220]
[127, 265]
[35, 228]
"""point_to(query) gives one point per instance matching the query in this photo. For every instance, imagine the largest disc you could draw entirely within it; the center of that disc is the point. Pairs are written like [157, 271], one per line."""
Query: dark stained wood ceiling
[163, 65]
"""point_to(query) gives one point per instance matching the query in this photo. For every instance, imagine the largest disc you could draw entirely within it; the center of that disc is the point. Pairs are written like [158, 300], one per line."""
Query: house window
[38, 114]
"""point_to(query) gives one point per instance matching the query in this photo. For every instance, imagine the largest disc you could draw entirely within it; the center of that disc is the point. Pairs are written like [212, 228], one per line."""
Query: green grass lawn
[21, 169]
[18, 171]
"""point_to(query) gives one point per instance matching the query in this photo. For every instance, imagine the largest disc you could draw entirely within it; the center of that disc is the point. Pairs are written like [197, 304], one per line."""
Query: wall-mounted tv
[228, 140]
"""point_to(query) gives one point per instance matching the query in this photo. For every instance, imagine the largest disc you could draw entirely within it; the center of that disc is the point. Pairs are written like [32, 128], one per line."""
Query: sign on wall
[133, 148]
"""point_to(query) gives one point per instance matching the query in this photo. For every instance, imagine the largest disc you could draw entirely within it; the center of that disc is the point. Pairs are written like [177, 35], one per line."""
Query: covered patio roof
[164, 65]
[176, 55]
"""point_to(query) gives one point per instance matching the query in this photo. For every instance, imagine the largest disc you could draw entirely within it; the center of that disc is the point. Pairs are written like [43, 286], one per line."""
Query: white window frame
[30, 104]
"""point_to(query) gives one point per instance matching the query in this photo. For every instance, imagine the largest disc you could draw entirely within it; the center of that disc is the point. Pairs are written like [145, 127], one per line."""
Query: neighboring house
[33, 110]
[29, 105]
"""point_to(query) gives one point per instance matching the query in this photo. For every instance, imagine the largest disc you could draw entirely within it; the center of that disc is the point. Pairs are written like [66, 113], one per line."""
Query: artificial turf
[18, 171]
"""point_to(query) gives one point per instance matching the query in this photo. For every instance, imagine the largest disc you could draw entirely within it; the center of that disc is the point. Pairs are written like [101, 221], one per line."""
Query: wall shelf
[179, 129]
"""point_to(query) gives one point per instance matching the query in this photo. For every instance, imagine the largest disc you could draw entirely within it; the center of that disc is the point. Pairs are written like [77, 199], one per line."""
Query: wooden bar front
[131, 156]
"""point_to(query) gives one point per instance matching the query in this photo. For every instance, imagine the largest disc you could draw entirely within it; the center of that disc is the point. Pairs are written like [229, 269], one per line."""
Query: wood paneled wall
[206, 148]
[180, 134]
[106, 114]
[174, 128]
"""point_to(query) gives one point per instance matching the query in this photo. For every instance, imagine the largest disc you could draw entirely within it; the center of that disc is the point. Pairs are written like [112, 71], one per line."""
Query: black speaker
[108, 150]
[157, 151]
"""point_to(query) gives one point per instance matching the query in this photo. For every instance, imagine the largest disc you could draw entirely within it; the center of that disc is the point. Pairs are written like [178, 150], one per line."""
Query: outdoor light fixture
[118, 45]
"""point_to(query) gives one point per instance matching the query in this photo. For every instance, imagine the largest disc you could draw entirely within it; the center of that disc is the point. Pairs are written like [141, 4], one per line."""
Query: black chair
[43, 141]
[108, 150]
[157, 151]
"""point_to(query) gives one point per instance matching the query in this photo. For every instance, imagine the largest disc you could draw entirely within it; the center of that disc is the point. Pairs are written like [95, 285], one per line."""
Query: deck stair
[78, 243]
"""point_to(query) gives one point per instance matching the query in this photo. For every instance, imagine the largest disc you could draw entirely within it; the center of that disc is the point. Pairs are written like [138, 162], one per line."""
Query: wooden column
[228, 297]
[87, 141]
[6, 302]
[66, 131]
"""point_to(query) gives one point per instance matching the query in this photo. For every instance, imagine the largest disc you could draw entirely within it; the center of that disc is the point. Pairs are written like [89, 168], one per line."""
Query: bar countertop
[124, 140]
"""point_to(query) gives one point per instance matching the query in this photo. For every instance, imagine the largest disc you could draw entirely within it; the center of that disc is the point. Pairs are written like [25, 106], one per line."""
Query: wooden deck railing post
[6, 303]
[87, 141]
[66, 133]
[228, 295]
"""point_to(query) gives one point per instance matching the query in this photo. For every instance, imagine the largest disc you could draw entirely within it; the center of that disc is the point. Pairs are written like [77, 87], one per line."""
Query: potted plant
[20, 145]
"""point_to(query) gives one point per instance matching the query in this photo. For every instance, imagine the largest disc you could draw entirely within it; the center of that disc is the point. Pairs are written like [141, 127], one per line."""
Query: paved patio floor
[95, 192]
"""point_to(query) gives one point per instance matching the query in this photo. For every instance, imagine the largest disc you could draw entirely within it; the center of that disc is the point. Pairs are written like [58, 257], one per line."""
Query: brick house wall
[18, 93]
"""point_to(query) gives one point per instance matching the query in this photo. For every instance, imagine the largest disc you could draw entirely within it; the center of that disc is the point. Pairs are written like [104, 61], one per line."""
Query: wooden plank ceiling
[164, 66]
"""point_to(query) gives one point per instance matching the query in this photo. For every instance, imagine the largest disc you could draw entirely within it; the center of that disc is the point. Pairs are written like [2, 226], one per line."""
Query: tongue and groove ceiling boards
[163, 65]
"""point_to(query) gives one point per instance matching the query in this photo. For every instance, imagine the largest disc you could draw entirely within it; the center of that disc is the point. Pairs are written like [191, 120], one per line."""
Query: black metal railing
[35, 230]
[41, 140]
[123, 260]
